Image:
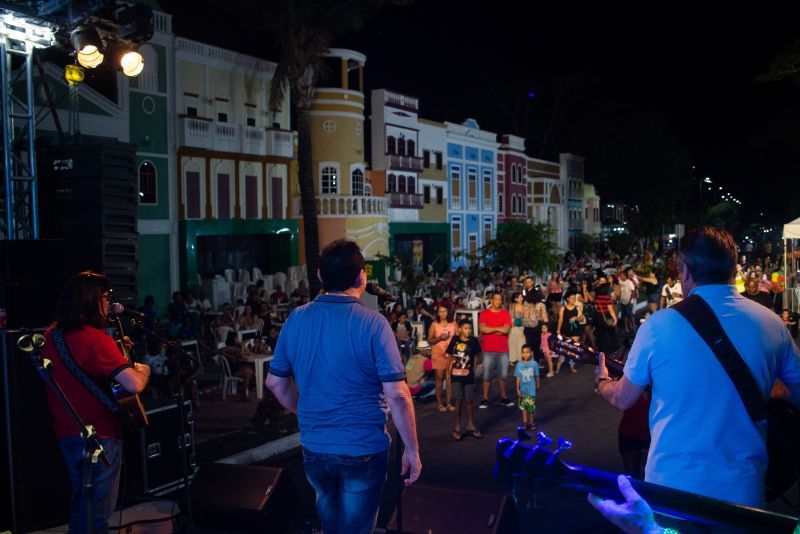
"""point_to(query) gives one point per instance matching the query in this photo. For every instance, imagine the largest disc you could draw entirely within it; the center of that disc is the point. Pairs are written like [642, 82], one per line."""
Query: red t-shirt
[496, 342]
[97, 354]
[635, 422]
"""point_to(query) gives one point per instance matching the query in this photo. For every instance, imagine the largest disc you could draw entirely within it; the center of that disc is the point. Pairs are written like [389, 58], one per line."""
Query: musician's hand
[142, 368]
[634, 516]
[411, 465]
[602, 370]
[127, 342]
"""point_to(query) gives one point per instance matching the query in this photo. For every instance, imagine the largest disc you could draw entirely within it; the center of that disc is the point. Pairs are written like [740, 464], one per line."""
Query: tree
[304, 31]
[585, 244]
[521, 246]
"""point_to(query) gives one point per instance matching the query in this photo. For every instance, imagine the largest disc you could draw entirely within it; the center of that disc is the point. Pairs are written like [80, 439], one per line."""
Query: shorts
[652, 299]
[629, 444]
[463, 391]
[527, 404]
[554, 297]
[626, 309]
[492, 361]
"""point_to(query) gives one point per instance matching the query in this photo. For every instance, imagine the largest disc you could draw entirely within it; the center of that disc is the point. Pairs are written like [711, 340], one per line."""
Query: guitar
[538, 462]
[576, 351]
[132, 411]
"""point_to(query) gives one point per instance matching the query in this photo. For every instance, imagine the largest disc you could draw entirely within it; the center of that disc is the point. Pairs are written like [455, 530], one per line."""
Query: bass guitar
[541, 463]
[132, 411]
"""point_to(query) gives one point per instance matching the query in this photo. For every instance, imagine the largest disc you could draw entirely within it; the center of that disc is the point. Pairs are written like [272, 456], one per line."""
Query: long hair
[79, 304]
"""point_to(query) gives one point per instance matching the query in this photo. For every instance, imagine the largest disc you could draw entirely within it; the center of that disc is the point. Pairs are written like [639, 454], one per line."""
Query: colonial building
[512, 172]
[472, 208]
[572, 174]
[348, 205]
[592, 223]
[546, 198]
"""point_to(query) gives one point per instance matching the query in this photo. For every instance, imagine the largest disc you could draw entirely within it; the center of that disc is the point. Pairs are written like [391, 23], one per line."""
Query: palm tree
[304, 31]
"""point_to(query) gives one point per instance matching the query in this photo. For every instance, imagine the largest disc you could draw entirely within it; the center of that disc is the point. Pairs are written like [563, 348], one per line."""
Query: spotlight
[132, 63]
[88, 45]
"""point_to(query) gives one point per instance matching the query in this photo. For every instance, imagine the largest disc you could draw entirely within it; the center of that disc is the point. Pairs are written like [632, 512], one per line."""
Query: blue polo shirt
[703, 440]
[340, 353]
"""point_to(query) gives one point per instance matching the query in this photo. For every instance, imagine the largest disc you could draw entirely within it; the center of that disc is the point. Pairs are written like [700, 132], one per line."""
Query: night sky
[696, 68]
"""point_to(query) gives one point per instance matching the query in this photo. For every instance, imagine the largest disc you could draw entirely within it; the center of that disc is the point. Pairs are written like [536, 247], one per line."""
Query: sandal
[457, 435]
[475, 433]
[442, 408]
[451, 408]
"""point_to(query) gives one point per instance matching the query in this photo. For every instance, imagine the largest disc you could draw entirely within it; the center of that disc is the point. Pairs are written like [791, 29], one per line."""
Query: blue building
[471, 174]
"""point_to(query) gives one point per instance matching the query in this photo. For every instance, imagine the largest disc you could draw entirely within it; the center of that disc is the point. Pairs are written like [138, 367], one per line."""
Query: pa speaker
[439, 510]
[241, 498]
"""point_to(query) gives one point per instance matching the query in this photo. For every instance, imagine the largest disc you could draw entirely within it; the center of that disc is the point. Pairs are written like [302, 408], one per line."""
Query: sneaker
[483, 405]
[505, 402]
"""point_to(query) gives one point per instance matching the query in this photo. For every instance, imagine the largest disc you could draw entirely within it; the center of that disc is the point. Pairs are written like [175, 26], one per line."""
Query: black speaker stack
[89, 196]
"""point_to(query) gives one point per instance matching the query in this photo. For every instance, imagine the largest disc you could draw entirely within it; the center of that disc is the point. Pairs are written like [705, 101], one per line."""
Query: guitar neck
[689, 506]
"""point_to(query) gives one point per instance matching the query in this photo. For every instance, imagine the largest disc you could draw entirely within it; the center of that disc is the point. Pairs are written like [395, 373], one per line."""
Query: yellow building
[348, 206]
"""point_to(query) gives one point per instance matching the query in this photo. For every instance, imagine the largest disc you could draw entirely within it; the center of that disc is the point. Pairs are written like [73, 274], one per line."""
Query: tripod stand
[93, 451]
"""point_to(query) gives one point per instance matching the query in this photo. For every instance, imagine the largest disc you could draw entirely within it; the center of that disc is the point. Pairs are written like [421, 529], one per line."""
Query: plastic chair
[244, 276]
[280, 280]
[269, 283]
[228, 382]
[257, 274]
[221, 334]
[230, 275]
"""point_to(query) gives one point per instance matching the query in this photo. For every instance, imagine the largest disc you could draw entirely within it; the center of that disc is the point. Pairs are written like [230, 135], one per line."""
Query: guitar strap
[80, 375]
[702, 318]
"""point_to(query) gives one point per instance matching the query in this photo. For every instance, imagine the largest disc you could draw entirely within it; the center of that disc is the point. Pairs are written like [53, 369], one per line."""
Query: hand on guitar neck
[576, 351]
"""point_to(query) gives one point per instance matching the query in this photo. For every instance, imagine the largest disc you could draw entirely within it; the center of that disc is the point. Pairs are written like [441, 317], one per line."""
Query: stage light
[73, 74]
[87, 43]
[132, 63]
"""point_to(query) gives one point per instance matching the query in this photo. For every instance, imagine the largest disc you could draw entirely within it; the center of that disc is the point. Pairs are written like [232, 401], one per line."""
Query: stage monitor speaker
[439, 510]
[35, 488]
[241, 498]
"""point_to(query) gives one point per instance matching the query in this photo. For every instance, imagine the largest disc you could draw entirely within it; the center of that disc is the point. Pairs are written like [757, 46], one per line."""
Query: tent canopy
[792, 230]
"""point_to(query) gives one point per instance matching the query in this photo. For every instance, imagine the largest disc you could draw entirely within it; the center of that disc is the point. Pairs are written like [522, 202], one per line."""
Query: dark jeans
[533, 337]
[106, 484]
[348, 488]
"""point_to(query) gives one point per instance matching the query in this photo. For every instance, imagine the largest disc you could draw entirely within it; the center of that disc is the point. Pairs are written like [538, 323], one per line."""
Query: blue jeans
[495, 361]
[348, 488]
[106, 483]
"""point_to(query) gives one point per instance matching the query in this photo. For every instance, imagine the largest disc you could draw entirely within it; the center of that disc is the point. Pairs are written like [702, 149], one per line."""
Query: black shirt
[464, 354]
[761, 297]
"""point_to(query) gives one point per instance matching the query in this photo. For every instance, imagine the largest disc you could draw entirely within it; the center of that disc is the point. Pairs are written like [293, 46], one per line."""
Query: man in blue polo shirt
[347, 368]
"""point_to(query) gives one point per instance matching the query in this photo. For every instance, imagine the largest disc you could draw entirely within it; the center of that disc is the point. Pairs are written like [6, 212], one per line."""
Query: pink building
[511, 180]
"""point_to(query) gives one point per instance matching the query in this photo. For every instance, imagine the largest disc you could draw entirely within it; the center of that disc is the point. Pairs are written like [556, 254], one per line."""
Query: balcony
[254, 140]
[406, 200]
[195, 132]
[399, 100]
[404, 163]
[280, 143]
[345, 206]
[226, 137]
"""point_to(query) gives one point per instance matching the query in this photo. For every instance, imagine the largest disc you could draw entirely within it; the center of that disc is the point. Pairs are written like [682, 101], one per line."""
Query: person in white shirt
[671, 293]
[625, 291]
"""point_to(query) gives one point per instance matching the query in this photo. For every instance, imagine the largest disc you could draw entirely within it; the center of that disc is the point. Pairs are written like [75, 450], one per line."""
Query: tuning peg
[522, 434]
[543, 440]
[563, 445]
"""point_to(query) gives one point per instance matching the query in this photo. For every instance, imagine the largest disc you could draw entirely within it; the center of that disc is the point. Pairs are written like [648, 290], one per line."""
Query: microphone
[117, 309]
[374, 289]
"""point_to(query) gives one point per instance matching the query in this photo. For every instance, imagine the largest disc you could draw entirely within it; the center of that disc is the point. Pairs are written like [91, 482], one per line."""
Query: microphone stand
[177, 385]
[93, 450]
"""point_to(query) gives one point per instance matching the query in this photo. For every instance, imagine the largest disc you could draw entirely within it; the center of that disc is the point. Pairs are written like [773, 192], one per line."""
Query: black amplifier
[153, 454]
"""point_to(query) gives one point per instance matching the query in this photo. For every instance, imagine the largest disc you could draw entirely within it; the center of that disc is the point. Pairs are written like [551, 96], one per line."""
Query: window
[487, 190]
[329, 181]
[500, 208]
[411, 148]
[439, 161]
[222, 117]
[357, 182]
[191, 111]
[193, 195]
[401, 184]
[473, 244]
[455, 187]
[147, 183]
[251, 197]
[223, 196]
[487, 231]
[411, 185]
[426, 158]
[426, 194]
[251, 121]
[391, 183]
[440, 195]
[455, 234]
[472, 188]
[513, 173]
[401, 147]
[391, 145]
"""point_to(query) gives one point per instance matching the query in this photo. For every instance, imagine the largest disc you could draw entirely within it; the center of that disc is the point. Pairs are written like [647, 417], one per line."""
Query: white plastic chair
[257, 274]
[269, 283]
[221, 334]
[244, 276]
[230, 275]
[228, 382]
[279, 279]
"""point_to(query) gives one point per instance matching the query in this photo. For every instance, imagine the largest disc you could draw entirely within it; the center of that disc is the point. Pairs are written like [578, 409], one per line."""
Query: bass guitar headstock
[577, 351]
[515, 456]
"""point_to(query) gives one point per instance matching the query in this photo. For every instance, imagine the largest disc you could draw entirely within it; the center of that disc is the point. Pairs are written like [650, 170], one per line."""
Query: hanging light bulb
[132, 63]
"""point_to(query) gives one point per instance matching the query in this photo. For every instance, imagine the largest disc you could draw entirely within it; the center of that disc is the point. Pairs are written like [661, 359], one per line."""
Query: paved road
[567, 406]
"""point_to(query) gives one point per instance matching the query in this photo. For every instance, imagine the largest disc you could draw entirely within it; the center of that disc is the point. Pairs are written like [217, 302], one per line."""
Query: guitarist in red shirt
[83, 356]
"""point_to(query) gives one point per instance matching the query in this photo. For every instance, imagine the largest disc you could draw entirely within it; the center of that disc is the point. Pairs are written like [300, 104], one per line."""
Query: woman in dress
[554, 288]
[569, 324]
[441, 332]
[516, 337]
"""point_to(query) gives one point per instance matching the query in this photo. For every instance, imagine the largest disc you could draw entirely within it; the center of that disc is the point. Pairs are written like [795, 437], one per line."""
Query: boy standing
[462, 359]
[527, 373]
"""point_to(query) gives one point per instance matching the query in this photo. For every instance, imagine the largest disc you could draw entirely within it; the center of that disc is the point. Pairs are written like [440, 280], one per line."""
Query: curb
[262, 452]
